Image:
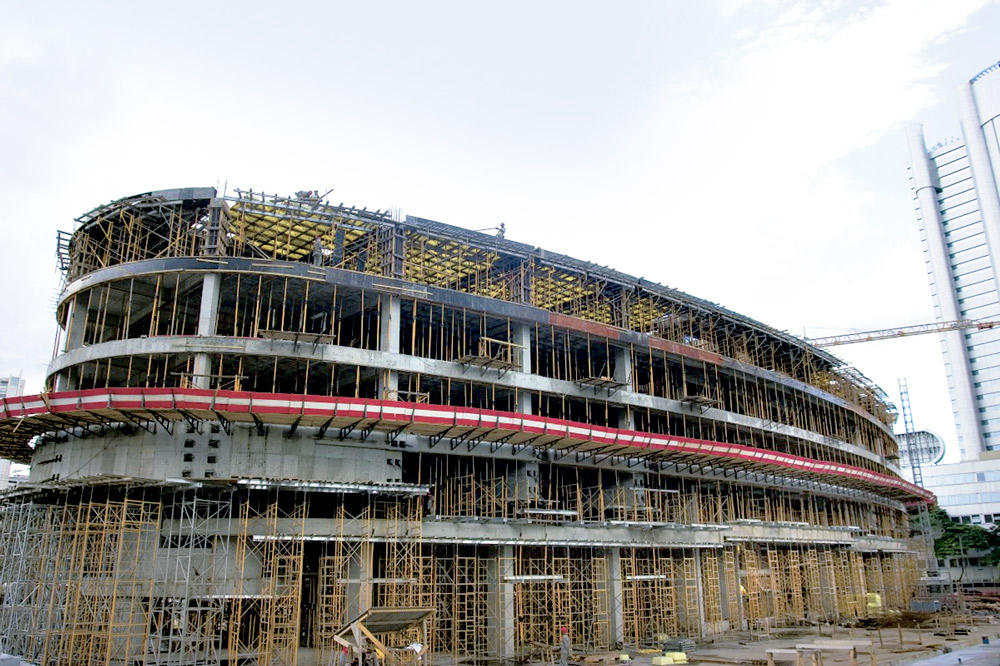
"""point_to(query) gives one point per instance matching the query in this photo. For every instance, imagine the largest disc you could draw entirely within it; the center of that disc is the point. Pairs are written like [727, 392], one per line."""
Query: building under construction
[269, 417]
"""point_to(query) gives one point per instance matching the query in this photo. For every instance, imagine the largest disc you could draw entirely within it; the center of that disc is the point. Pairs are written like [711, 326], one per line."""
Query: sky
[751, 153]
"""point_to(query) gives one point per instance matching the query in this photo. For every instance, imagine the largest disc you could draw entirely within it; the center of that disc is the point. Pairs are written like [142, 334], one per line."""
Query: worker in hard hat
[565, 647]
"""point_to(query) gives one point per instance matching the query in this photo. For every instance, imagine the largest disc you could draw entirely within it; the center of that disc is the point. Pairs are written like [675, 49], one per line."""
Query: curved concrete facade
[270, 415]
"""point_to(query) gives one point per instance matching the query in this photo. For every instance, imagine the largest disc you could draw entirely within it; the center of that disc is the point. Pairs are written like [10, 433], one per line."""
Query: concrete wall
[243, 453]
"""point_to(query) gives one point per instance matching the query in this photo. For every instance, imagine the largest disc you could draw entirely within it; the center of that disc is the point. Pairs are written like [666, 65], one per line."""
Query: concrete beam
[394, 362]
[521, 312]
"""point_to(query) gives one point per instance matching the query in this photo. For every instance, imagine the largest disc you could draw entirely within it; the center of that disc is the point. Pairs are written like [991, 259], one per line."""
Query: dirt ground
[886, 646]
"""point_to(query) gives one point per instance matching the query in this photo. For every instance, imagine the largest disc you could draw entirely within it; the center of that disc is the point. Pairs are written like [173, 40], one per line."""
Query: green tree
[956, 540]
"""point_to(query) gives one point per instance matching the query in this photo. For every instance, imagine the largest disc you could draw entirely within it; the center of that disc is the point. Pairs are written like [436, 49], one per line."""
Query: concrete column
[76, 323]
[633, 495]
[359, 581]
[389, 334]
[64, 381]
[623, 374]
[925, 185]
[522, 337]
[737, 622]
[615, 599]
[208, 317]
[982, 174]
[523, 480]
[699, 584]
[727, 622]
[500, 599]
[76, 326]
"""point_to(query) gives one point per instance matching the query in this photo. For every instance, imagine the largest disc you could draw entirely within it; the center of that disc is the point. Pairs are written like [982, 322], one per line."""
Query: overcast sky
[749, 153]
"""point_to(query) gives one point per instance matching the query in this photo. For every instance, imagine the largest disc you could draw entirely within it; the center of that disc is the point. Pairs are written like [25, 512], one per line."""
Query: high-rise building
[955, 185]
[10, 386]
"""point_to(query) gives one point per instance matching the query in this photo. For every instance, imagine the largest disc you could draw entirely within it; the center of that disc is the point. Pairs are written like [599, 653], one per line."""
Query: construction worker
[342, 658]
[565, 647]
[317, 253]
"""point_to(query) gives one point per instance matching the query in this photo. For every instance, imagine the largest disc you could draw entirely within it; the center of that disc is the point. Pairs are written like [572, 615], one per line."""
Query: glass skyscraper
[955, 187]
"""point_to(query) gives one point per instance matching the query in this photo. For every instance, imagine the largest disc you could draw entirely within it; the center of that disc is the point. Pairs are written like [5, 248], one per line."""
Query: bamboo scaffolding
[264, 620]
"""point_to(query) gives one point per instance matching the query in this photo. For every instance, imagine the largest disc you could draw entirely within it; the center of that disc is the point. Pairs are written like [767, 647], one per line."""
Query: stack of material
[601, 658]
[670, 659]
[679, 644]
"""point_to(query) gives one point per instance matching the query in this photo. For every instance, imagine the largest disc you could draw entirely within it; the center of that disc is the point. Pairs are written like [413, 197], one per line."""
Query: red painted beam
[311, 410]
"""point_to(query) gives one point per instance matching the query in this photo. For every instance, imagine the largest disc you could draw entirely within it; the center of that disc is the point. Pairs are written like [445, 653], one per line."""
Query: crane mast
[923, 516]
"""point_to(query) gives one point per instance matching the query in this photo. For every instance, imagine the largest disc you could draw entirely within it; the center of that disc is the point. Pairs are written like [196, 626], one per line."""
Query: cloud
[757, 145]
[746, 152]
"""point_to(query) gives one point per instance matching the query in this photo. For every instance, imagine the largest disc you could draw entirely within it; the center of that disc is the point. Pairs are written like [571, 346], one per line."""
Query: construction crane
[926, 535]
[901, 332]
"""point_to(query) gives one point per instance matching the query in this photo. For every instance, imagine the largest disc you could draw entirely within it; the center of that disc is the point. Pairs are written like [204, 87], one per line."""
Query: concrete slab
[980, 655]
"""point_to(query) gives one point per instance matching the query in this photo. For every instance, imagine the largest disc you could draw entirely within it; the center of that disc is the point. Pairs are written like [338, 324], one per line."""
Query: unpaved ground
[888, 649]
